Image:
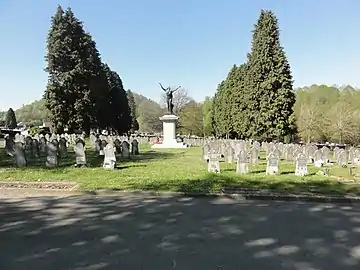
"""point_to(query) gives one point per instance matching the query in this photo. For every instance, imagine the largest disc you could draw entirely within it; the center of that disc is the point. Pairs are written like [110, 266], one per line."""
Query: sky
[192, 43]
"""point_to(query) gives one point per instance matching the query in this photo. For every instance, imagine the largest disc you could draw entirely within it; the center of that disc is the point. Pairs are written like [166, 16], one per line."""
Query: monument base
[169, 133]
[169, 145]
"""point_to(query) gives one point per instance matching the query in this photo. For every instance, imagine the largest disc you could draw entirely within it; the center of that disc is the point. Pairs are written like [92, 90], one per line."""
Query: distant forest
[323, 113]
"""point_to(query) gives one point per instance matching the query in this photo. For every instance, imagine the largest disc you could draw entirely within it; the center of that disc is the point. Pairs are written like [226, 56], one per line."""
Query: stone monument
[169, 123]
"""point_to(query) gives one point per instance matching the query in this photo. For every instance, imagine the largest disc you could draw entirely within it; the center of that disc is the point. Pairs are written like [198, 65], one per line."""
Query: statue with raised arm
[169, 97]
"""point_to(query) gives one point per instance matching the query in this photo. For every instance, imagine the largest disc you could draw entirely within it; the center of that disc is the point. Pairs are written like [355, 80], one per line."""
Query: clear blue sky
[192, 43]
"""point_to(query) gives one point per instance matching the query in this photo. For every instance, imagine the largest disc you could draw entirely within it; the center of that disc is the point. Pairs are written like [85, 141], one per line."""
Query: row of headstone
[23, 148]
[245, 153]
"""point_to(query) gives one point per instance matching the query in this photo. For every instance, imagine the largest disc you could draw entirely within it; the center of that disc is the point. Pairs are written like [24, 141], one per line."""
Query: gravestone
[109, 157]
[52, 155]
[43, 145]
[256, 145]
[56, 143]
[80, 157]
[272, 166]
[206, 149]
[351, 155]
[92, 140]
[19, 155]
[135, 147]
[28, 146]
[254, 155]
[229, 154]
[336, 151]
[97, 145]
[214, 164]
[318, 159]
[103, 144]
[117, 144]
[125, 153]
[62, 148]
[222, 149]
[301, 165]
[342, 158]
[326, 154]
[242, 165]
[17, 138]
[9, 145]
[35, 149]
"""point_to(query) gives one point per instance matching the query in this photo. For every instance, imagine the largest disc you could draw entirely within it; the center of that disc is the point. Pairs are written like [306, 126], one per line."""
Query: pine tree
[268, 83]
[132, 106]
[10, 119]
[76, 80]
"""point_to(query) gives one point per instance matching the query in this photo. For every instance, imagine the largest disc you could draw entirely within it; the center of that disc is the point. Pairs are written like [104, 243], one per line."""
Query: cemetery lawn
[179, 170]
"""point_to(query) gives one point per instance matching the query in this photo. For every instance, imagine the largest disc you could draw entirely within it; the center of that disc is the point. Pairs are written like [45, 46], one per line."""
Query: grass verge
[180, 170]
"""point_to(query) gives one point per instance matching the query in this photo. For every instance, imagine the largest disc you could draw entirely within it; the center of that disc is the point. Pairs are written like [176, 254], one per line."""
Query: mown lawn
[179, 170]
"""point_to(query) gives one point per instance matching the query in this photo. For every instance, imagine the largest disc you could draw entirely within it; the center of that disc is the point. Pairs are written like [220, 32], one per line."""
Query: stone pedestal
[169, 133]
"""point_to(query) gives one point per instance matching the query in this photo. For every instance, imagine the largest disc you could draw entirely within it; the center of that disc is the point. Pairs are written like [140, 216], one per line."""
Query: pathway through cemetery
[161, 233]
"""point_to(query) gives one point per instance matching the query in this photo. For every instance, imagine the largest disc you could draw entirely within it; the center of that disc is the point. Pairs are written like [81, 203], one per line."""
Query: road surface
[134, 232]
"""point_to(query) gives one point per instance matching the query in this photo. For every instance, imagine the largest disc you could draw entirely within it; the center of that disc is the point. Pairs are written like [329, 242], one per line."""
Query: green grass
[179, 170]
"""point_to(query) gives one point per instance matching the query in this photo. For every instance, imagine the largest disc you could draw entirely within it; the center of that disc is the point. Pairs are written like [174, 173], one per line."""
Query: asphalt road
[160, 233]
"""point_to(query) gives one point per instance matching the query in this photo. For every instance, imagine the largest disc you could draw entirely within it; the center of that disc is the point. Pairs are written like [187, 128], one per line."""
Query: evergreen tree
[218, 111]
[132, 106]
[57, 94]
[228, 106]
[119, 113]
[10, 119]
[207, 112]
[268, 83]
[76, 82]
[239, 109]
[224, 105]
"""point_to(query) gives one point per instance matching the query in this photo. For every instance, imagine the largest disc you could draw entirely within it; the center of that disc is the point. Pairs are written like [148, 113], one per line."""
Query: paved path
[161, 233]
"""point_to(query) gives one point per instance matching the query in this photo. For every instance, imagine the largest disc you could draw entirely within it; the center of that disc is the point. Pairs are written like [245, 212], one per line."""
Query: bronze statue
[169, 97]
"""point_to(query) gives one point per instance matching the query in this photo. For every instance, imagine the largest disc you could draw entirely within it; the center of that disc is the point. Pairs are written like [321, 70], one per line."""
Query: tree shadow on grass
[93, 159]
[215, 183]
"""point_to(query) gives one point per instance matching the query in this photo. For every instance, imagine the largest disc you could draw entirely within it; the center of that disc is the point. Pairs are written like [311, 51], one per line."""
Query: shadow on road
[158, 233]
